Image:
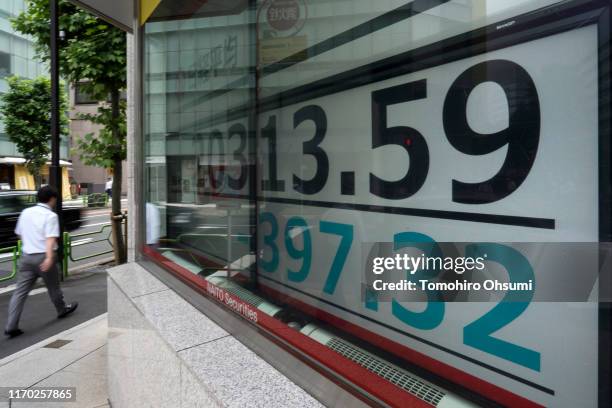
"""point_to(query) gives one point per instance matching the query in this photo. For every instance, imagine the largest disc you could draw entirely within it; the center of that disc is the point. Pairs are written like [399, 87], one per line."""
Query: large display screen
[498, 146]
[287, 141]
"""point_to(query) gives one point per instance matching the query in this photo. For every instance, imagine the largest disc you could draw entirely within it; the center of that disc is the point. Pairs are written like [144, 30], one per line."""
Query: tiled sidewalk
[78, 361]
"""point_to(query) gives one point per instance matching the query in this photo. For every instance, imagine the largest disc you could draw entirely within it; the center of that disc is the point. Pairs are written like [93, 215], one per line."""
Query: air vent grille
[389, 372]
[244, 294]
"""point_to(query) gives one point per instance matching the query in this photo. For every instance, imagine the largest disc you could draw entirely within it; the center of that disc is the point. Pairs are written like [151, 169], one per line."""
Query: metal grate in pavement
[57, 344]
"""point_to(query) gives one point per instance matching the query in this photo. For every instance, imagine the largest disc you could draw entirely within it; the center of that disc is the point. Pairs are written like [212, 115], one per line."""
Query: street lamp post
[55, 173]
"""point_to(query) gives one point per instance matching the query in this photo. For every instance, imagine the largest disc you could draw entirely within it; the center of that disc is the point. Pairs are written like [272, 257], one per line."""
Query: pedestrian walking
[38, 229]
[109, 187]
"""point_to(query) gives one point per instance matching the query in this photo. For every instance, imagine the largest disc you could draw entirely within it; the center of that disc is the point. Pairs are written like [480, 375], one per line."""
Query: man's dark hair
[46, 193]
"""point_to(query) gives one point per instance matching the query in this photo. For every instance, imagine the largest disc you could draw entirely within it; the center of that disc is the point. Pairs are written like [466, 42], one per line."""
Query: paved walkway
[73, 358]
[39, 319]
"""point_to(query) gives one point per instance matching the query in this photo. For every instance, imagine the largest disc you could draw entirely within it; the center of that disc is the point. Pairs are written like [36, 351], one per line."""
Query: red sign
[283, 14]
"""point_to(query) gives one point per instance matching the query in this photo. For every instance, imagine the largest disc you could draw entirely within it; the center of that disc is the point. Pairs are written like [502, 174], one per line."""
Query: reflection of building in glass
[194, 71]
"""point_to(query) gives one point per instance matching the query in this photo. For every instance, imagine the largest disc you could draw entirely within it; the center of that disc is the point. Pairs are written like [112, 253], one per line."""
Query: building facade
[17, 58]
[351, 203]
[91, 179]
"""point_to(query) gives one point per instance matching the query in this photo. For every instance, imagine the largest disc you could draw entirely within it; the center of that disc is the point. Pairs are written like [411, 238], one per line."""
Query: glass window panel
[5, 25]
[5, 42]
[20, 66]
[5, 64]
[20, 48]
[288, 142]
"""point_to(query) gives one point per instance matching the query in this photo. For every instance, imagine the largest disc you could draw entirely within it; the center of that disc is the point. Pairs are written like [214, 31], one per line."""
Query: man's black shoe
[13, 333]
[70, 307]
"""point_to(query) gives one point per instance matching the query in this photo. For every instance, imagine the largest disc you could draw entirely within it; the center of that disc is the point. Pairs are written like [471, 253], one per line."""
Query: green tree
[92, 53]
[26, 111]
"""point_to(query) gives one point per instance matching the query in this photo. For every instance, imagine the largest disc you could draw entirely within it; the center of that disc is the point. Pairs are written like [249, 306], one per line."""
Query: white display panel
[328, 184]
[366, 31]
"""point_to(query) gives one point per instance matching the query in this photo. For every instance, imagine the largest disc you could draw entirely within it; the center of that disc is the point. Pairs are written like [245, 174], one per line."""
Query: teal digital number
[305, 254]
[270, 241]
[432, 316]
[479, 333]
[345, 231]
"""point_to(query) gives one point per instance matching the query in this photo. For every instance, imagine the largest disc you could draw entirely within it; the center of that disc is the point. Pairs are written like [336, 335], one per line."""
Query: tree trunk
[37, 180]
[118, 241]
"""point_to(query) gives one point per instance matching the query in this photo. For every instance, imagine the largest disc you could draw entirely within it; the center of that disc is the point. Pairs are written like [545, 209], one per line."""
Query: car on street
[14, 201]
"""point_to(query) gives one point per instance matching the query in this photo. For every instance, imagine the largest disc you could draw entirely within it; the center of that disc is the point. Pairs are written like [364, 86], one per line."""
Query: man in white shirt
[38, 229]
[109, 187]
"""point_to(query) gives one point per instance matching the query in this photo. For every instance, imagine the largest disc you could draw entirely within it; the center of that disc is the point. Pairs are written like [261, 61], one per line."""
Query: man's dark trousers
[29, 272]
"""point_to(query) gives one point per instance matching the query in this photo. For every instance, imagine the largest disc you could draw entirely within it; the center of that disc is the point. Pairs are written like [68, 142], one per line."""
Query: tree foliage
[93, 54]
[26, 111]
[91, 50]
[100, 150]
